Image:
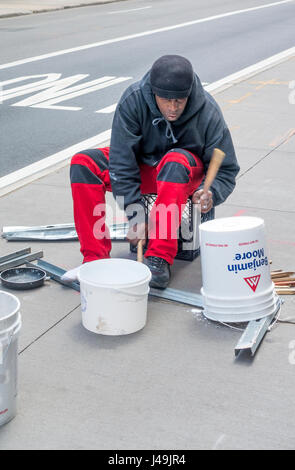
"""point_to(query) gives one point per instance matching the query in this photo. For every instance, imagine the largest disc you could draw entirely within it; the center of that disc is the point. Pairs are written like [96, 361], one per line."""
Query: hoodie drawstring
[169, 130]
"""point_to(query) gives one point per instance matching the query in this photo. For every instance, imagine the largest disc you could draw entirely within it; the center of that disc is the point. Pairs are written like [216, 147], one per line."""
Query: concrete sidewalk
[176, 383]
[27, 7]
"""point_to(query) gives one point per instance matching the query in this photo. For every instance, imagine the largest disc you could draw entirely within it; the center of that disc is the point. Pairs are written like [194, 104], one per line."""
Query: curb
[45, 167]
[244, 74]
[65, 7]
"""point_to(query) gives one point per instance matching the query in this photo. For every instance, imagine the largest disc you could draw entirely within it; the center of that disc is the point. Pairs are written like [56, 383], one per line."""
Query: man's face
[172, 109]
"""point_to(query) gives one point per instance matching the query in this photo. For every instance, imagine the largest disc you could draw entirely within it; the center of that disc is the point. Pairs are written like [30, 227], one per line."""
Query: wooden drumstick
[140, 251]
[214, 165]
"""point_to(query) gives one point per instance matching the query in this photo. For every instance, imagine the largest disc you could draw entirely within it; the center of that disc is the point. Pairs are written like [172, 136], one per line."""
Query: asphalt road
[36, 123]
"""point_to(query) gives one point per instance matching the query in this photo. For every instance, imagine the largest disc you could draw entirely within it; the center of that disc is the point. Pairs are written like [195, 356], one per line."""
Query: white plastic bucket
[114, 294]
[10, 325]
[237, 285]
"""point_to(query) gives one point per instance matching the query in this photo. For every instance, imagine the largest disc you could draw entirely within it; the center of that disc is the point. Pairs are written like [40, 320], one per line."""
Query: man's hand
[204, 199]
[137, 232]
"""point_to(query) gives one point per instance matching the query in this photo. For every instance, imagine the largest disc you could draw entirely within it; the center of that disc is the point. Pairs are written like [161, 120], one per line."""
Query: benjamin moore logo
[253, 281]
[248, 260]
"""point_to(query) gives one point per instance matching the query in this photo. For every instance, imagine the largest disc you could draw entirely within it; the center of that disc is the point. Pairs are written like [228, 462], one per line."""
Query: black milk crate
[188, 236]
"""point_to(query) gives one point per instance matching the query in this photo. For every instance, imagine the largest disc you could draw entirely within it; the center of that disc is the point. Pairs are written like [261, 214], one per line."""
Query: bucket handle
[4, 351]
[118, 291]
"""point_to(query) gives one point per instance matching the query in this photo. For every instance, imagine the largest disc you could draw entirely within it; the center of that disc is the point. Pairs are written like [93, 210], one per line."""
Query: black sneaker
[161, 273]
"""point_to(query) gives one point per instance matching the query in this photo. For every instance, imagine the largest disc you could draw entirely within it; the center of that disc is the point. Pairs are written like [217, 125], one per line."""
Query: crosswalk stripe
[108, 109]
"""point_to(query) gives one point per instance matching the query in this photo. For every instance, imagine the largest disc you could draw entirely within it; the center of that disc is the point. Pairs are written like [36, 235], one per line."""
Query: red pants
[176, 177]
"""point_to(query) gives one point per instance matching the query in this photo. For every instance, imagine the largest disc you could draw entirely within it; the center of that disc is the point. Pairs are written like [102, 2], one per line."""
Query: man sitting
[164, 131]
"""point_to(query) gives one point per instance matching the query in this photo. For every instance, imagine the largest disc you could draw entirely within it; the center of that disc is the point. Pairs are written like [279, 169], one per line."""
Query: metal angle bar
[24, 228]
[55, 273]
[41, 236]
[20, 260]
[57, 232]
[14, 255]
[254, 334]
[176, 295]
[46, 233]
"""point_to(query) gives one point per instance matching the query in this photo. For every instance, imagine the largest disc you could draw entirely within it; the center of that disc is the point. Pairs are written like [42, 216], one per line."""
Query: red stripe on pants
[87, 199]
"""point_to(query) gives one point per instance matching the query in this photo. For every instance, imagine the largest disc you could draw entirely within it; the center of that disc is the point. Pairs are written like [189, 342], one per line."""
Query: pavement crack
[265, 156]
[45, 332]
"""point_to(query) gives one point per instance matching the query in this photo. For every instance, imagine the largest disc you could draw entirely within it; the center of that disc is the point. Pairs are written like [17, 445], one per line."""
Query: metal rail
[19, 260]
[14, 255]
[255, 332]
[56, 273]
[57, 232]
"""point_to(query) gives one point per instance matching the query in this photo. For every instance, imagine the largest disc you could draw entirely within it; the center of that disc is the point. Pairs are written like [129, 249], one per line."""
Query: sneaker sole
[155, 285]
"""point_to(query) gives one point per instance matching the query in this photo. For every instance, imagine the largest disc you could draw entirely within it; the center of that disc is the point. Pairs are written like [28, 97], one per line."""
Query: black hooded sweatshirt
[141, 134]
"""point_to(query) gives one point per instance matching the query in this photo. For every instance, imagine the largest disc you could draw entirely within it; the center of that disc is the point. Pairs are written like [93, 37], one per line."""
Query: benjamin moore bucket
[114, 294]
[237, 285]
[10, 325]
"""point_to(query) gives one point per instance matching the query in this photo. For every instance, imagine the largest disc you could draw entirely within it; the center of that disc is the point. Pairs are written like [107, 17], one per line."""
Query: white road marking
[138, 35]
[127, 11]
[57, 108]
[56, 91]
[48, 78]
[52, 87]
[34, 101]
[108, 109]
[43, 167]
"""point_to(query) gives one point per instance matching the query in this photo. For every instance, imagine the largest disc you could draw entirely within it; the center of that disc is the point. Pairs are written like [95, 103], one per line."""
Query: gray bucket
[10, 325]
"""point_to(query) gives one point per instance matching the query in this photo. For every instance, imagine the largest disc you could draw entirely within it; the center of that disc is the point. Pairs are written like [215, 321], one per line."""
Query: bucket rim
[16, 309]
[240, 309]
[116, 286]
[230, 299]
[230, 318]
[237, 303]
[17, 324]
[204, 226]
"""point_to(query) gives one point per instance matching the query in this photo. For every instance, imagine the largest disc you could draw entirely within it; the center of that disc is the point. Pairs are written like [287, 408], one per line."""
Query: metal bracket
[255, 332]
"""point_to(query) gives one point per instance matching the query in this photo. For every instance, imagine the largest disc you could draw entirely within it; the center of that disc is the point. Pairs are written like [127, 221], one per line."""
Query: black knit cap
[172, 77]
